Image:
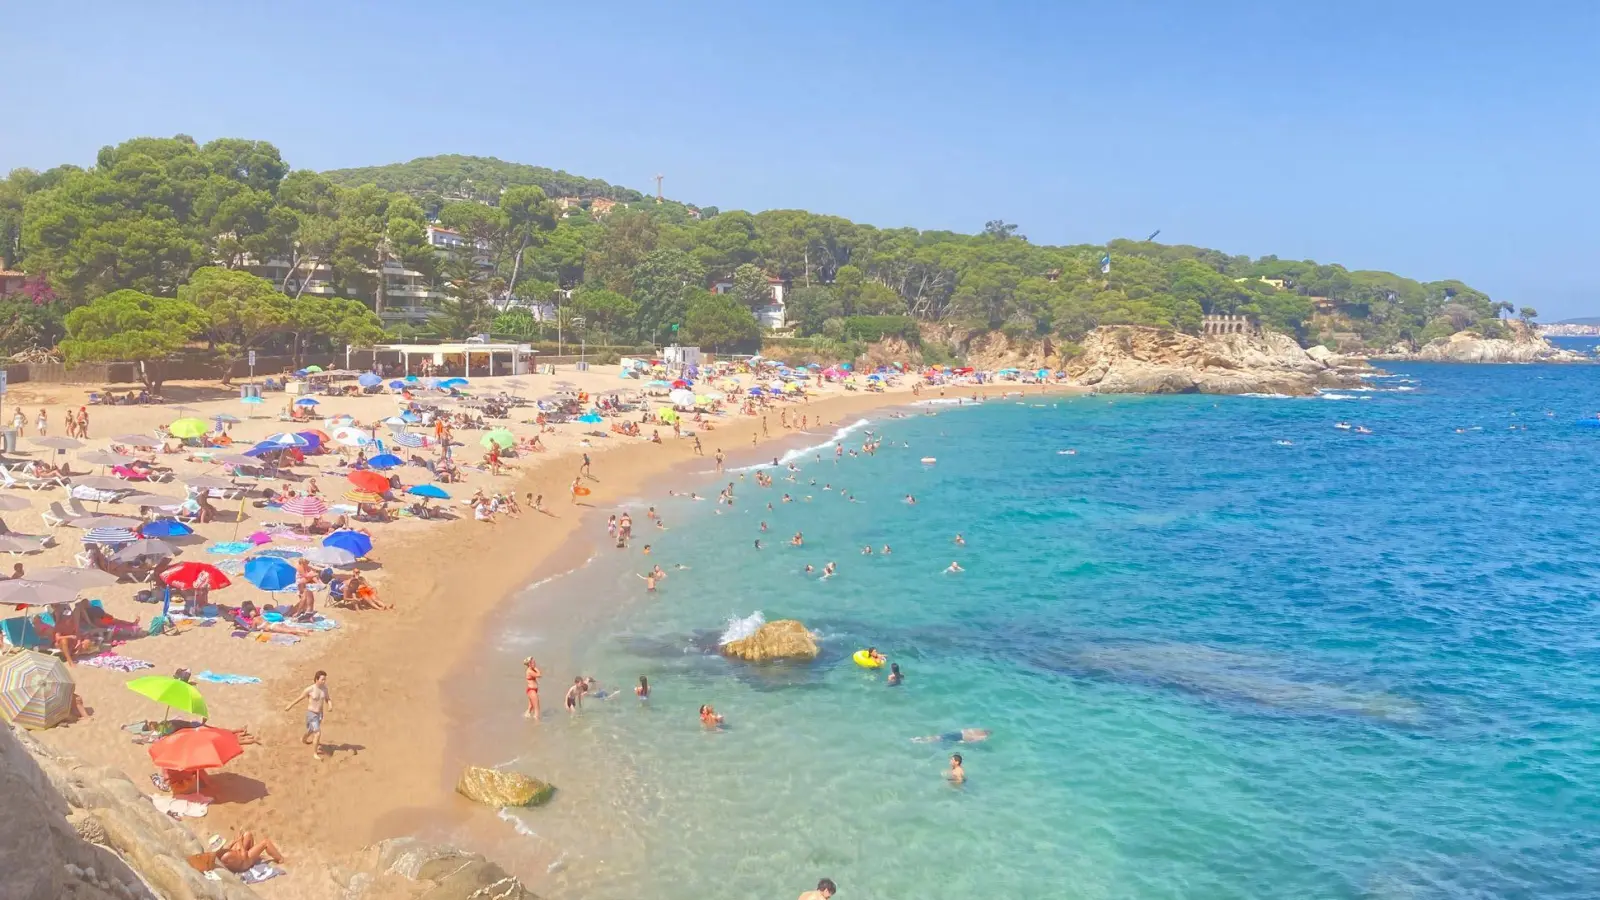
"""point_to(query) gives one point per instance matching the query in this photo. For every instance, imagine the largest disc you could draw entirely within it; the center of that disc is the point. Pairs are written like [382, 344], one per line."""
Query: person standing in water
[642, 691]
[531, 677]
[825, 890]
[575, 694]
[957, 775]
[895, 678]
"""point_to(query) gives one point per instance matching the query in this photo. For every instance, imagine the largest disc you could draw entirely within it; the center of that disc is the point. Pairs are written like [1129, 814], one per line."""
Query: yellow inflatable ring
[865, 661]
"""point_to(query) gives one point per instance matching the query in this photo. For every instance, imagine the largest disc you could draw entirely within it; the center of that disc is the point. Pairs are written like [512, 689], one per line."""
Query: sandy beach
[389, 671]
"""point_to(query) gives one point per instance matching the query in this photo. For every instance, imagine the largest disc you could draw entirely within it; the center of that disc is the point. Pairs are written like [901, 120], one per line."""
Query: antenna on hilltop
[658, 187]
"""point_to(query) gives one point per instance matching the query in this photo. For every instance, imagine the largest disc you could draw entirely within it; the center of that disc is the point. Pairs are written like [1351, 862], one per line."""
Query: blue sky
[1432, 139]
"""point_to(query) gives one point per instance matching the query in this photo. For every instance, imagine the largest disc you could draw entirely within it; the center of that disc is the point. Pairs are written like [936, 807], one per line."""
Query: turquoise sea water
[1358, 666]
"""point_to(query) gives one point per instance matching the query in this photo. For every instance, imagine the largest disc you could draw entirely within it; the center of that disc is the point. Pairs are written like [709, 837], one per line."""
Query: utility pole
[659, 198]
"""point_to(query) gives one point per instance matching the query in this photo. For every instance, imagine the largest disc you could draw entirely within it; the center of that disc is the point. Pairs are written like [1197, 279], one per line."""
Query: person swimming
[957, 774]
[866, 550]
[875, 656]
[953, 568]
[895, 678]
[960, 541]
[885, 551]
[709, 717]
[964, 736]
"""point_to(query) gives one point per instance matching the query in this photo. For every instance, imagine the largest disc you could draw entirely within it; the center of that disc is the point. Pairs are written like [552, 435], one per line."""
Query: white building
[772, 316]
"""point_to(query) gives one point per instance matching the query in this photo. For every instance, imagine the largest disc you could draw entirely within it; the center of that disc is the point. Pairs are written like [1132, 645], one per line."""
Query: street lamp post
[579, 322]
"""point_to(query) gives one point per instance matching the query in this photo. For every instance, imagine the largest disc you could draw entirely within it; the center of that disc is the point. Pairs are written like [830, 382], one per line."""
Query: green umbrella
[313, 368]
[169, 691]
[188, 428]
[499, 436]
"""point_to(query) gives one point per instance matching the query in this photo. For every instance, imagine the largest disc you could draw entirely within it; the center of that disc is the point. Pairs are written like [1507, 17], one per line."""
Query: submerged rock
[409, 869]
[783, 639]
[493, 787]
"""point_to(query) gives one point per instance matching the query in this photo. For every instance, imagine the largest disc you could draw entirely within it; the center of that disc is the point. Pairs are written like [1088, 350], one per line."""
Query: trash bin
[10, 440]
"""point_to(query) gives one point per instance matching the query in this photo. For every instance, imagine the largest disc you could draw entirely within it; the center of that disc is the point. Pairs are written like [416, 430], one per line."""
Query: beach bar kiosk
[471, 358]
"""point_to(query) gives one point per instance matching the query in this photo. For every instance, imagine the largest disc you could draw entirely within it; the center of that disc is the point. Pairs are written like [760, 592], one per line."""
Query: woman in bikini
[532, 676]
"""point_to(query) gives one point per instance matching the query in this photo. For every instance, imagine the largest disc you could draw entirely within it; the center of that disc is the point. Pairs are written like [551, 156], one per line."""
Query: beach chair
[83, 560]
[11, 479]
[76, 508]
[20, 632]
[55, 516]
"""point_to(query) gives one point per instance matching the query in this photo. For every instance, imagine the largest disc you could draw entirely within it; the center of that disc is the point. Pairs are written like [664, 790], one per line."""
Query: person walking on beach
[719, 460]
[825, 889]
[318, 702]
[584, 469]
[531, 677]
[42, 423]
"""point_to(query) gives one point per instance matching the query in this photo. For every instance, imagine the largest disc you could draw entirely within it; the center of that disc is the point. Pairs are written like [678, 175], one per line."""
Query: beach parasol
[385, 461]
[226, 419]
[10, 503]
[314, 438]
[156, 500]
[454, 382]
[34, 592]
[307, 401]
[240, 460]
[104, 458]
[101, 482]
[369, 380]
[307, 506]
[170, 692]
[144, 547]
[269, 573]
[499, 437]
[137, 440]
[682, 397]
[107, 522]
[359, 496]
[357, 543]
[590, 419]
[396, 385]
[35, 690]
[339, 420]
[188, 428]
[351, 437]
[407, 439]
[73, 578]
[368, 481]
[284, 439]
[314, 369]
[201, 747]
[209, 483]
[432, 491]
[185, 576]
[59, 443]
[330, 556]
[108, 536]
[10, 543]
[252, 399]
[165, 528]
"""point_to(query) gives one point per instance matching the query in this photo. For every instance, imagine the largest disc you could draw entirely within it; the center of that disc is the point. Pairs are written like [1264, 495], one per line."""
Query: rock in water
[1130, 359]
[783, 639]
[493, 787]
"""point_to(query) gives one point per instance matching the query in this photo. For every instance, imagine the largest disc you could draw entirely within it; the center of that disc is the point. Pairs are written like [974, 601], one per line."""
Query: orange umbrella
[369, 481]
[203, 747]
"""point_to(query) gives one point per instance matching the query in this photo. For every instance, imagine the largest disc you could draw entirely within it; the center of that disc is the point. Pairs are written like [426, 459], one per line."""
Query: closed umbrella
[307, 506]
[190, 749]
[35, 690]
[354, 541]
[109, 536]
[171, 692]
[187, 576]
[368, 481]
[269, 573]
[188, 428]
[330, 556]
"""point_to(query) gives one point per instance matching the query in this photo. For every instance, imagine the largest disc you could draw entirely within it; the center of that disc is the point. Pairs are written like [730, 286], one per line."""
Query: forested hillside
[151, 212]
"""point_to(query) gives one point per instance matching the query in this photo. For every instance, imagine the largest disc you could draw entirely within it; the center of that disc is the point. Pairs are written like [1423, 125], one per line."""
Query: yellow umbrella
[188, 428]
[359, 496]
[667, 414]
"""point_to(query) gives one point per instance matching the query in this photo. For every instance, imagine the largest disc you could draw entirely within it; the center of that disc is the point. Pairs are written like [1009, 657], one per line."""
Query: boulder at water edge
[493, 787]
[783, 639]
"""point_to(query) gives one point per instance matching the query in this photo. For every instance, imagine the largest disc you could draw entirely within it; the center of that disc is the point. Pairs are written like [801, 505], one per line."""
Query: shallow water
[1215, 666]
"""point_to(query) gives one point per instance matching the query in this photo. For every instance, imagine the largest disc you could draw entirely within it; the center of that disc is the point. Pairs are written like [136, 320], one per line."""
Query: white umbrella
[330, 556]
[74, 578]
[351, 437]
[681, 397]
[151, 500]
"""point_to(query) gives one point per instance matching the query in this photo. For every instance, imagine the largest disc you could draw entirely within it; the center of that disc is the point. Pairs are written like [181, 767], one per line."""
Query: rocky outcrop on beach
[72, 830]
[409, 869]
[498, 788]
[1129, 359]
[1523, 346]
[783, 639]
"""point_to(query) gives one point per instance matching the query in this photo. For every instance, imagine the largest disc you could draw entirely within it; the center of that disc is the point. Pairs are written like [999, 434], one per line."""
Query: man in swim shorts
[825, 889]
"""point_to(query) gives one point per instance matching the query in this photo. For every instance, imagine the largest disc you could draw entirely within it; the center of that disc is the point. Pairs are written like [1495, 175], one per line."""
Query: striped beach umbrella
[407, 439]
[355, 495]
[35, 690]
[109, 535]
[285, 439]
[307, 506]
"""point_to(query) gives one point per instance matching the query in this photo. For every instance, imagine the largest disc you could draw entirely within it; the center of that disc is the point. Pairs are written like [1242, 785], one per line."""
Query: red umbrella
[369, 481]
[184, 575]
[203, 747]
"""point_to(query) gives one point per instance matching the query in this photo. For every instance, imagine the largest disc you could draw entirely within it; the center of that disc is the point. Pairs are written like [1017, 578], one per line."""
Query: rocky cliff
[1523, 346]
[1129, 359]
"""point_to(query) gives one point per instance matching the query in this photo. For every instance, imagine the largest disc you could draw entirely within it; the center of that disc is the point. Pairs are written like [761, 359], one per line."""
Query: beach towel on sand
[261, 872]
[117, 663]
[225, 678]
[226, 548]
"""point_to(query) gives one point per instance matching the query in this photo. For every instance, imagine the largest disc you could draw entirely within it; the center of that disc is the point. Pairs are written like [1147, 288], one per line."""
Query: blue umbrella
[251, 399]
[385, 461]
[590, 419]
[312, 440]
[432, 491]
[261, 450]
[306, 401]
[369, 380]
[354, 541]
[406, 439]
[755, 390]
[285, 439]
[397, 384]
[454, 382]
[412, 379]
[269, 573]
[162, 528]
